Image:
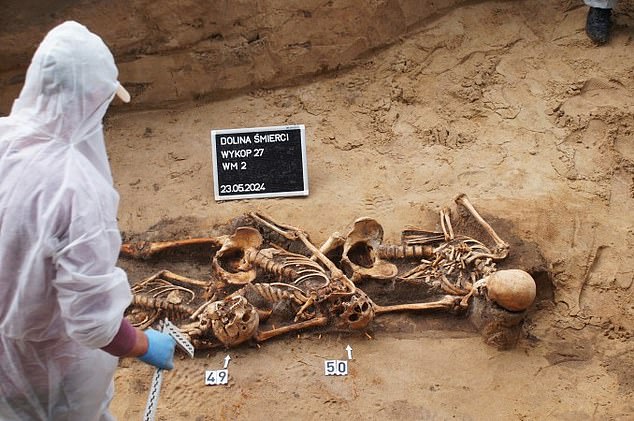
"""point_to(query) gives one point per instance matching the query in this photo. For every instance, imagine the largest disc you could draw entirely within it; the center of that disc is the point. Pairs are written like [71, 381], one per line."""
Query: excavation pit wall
[178, 52]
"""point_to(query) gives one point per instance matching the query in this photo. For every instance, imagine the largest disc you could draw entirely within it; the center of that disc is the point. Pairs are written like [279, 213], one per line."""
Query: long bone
[163, 281]
[447, 302]
[333, 242]
[262, 336]
[147, 249]
[169, 276]
[502, 247]
[445, 223]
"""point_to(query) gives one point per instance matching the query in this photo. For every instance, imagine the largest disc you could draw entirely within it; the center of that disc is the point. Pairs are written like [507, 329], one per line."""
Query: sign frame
[248, 189]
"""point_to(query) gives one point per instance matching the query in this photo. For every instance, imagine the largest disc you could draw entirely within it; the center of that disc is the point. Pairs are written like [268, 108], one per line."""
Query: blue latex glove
[160, 350]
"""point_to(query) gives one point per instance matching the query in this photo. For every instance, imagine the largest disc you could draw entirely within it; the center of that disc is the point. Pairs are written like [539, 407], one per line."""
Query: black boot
[598, 24]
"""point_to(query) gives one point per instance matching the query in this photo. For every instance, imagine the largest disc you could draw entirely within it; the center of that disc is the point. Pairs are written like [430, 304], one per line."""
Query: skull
[230, 264]
[359, 258]
[512, 289]
[354, 312]
[232, 321]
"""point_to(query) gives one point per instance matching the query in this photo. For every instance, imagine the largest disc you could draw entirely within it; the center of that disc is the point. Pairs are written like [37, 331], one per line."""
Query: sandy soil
[511, 105]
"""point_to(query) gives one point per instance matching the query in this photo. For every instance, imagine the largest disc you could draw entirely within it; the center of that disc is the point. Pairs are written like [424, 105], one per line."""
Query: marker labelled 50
[336, 368]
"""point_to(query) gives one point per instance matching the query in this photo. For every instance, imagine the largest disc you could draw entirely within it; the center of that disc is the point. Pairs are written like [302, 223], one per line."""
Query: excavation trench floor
[507, 102]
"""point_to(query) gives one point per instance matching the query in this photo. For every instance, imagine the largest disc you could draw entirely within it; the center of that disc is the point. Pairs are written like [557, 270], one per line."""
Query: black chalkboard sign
[259, 162]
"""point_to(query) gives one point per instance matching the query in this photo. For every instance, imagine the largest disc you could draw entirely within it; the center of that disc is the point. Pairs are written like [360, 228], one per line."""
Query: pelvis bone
[231, 263]
[360, 257]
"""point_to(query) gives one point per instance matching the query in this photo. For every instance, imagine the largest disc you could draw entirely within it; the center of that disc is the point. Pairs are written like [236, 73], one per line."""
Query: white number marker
[336, 368]
[216, 377]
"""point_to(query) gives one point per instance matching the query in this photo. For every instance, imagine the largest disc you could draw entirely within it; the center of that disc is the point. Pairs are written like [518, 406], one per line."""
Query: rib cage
[286, 266]
[456, 265]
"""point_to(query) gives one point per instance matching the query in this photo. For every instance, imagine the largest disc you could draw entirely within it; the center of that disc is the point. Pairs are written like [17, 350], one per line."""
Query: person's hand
[160, 350]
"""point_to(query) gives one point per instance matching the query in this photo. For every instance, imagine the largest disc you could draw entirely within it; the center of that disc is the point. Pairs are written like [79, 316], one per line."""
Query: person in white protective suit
[63, 298]
[599, 19]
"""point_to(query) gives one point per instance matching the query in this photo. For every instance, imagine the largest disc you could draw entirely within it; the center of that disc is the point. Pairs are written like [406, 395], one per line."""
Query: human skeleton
[259, 289]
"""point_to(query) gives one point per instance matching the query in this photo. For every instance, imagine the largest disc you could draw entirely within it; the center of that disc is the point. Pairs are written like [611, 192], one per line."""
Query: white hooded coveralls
[62, 297]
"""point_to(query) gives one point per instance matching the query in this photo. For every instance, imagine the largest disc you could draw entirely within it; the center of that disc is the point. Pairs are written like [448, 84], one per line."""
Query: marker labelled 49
[336, 368]
[216, 377]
